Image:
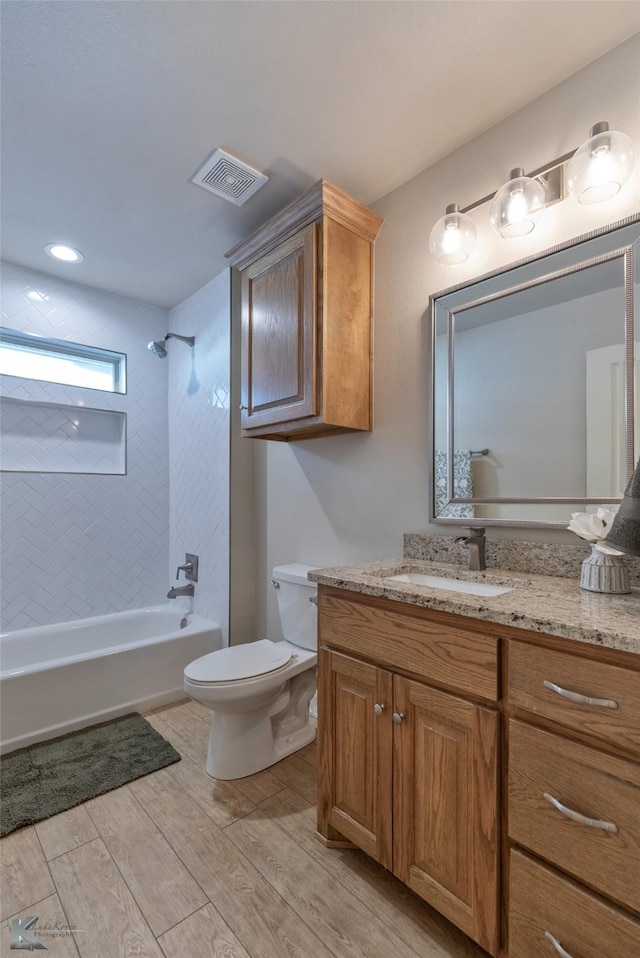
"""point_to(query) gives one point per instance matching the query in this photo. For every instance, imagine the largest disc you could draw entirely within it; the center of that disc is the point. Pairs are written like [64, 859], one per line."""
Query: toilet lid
[239, 662]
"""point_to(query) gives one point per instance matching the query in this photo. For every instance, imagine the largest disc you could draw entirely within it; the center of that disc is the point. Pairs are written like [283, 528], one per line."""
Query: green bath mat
[41, 780]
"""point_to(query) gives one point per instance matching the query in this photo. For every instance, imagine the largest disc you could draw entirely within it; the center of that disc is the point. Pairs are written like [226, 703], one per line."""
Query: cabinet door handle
[398, 717]
[379, 709]
[580, 699]
[556, 944]
[243, 408]
[577, 817]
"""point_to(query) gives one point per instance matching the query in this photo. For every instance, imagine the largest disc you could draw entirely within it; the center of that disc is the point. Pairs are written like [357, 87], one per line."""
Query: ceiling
[109, 108]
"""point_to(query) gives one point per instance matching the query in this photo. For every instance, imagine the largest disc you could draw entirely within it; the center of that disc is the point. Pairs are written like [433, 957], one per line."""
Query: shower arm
[189, 340]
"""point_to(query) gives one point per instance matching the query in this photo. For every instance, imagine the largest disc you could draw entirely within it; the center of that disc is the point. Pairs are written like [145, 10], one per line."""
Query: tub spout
[176, 591]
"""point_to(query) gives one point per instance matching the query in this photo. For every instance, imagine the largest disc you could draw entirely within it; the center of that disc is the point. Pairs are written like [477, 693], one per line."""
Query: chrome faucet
[476, 542]
[176, 591]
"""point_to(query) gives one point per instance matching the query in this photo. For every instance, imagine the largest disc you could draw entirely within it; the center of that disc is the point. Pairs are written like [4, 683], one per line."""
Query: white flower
[594, 527]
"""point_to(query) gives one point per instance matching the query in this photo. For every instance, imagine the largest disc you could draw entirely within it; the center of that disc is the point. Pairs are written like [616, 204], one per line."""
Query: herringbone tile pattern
[199, 422]
[47, 437]
[82, 545]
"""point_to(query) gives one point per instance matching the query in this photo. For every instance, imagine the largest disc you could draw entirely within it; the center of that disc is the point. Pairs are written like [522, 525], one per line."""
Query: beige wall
[336, 500]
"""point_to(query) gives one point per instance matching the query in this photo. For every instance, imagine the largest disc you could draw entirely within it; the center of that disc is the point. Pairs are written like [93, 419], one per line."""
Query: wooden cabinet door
[354, 789]
[279, 297]
[445, 806]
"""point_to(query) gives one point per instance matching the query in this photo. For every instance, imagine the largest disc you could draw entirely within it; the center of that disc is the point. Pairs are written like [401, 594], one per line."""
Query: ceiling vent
[229, 177]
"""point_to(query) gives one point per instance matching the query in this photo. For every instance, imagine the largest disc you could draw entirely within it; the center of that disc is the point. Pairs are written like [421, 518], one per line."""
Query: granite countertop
[554, 605]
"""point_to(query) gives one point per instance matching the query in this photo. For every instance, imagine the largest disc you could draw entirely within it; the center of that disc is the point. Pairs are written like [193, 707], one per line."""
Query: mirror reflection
[533, 394]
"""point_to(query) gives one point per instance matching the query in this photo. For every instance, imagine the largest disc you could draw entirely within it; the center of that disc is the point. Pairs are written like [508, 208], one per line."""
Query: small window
[57, 361]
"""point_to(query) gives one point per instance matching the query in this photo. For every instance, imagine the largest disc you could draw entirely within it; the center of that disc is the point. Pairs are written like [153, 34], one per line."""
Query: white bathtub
[57, 678]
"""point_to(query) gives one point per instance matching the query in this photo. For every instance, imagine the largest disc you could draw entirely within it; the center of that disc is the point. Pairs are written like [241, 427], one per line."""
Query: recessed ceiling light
[65, 253]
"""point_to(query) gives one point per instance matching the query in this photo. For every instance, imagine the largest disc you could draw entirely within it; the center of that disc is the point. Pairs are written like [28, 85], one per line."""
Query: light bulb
[65, 253]
[453, 237]
[518, 205]
[517, 209]
[601, 166]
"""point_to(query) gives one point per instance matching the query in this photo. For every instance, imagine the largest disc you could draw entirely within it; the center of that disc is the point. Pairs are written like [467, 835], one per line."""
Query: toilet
[260, 692]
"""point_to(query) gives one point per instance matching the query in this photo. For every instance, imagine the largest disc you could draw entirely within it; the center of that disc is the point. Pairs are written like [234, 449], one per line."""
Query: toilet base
[246, 743]
[223, 764]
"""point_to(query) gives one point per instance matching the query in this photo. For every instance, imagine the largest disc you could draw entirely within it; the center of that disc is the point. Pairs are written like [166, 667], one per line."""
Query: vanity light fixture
[67, 254]
[595, 172]
[601, 166]
[453, 237]
[518, 205]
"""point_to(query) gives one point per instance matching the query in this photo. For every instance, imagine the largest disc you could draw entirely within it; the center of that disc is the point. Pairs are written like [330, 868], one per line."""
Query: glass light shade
[453, 237]
[518, 205]
[601, 166]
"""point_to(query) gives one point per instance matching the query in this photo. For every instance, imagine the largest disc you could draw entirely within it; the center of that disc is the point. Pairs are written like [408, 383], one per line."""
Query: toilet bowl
[260, 692]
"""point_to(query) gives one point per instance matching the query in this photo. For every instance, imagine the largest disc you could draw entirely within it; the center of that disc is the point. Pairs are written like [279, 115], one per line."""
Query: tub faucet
[476, 542]
[176, 591]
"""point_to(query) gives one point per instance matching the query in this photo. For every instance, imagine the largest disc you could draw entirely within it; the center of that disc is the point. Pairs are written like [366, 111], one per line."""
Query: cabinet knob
[243, 408]
[378, 709]
[398, 717]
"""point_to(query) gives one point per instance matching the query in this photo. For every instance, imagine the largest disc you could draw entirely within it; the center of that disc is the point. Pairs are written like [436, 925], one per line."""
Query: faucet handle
[189, 567]
[475, 532]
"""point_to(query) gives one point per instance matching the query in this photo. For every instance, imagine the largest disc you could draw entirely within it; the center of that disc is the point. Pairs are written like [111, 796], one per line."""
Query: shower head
[157, 347]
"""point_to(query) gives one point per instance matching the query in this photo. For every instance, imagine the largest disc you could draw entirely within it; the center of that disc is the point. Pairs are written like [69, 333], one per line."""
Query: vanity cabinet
[409, 770]
[494, 771]
[573, 804]
[307, 318]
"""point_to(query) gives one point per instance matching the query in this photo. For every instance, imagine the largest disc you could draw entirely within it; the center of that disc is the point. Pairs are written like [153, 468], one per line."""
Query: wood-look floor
[176, 865]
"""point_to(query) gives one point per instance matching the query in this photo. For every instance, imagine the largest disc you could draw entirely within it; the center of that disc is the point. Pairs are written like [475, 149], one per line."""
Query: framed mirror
[535, 385]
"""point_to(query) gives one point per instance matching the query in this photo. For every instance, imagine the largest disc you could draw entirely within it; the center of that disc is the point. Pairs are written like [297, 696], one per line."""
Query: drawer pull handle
[580, 699]
[556, 944]
[577, 817]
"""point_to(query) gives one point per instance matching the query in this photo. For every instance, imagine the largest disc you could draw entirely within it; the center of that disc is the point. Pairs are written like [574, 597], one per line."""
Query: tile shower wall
[82, 545]
[199, 423]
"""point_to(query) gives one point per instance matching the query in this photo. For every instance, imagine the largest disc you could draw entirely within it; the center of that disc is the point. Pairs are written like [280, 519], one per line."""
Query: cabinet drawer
[531, 666]
[542, 903]
[452, 657]
[599, 787]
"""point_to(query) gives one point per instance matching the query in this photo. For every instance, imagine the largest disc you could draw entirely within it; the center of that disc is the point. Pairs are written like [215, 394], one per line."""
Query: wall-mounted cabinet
[307, 318]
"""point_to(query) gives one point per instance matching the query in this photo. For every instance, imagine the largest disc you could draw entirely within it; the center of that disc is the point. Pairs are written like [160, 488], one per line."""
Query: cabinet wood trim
[355, 788]
[323, 197]
[301, 334]
[445, 806]
[447, 656]
[584, 924]
[530, 666]
[589, 782]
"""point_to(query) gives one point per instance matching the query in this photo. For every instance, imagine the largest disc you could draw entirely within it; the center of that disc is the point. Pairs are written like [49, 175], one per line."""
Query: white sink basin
[451, 585]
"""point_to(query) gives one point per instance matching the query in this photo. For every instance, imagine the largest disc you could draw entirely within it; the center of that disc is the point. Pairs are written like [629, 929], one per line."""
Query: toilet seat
[239, 662]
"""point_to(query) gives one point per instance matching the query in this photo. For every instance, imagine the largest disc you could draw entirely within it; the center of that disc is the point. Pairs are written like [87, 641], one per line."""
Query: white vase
[605, 573]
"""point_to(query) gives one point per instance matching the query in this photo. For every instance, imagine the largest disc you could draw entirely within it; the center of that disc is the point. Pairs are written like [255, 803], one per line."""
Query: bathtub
[58, 678]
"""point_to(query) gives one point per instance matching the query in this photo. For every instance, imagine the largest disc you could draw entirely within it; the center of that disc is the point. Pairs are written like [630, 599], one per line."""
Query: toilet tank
[298, 616]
